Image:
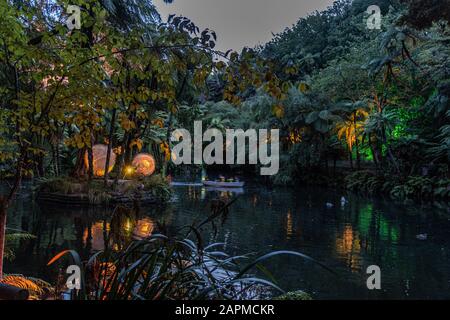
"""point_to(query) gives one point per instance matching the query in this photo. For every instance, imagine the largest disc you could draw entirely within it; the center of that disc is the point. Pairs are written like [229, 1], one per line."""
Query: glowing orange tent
[144, 163]
[99, 152]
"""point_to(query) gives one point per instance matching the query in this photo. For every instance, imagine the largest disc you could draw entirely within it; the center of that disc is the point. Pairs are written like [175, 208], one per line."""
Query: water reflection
[95, 235]
[346, 238]
[289, 225]
[144, 228]
[348, 248]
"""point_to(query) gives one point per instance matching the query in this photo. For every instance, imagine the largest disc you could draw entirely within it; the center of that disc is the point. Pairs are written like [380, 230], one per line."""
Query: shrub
[62, 184]
[364, 181]
[412, 187]
[159, 186]
[294, 295]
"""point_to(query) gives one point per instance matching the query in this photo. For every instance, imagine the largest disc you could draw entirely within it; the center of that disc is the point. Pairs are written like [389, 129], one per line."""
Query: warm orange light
[129, 170]
[144, 228]
[128, 226]
[97, 230]
[348, 247]
[99, 152]
[144, 163]
[289, 225]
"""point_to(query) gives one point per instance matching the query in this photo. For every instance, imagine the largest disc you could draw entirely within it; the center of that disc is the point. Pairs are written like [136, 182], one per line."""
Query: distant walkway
[345, 164]
[186, 184]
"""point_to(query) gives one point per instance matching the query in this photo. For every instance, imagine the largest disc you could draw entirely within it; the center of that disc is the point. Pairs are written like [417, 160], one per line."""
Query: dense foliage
[354, 98]
[368, 106]
[122, 79]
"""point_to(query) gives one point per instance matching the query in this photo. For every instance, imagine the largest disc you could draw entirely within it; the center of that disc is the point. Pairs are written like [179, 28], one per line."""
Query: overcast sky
[240, 23]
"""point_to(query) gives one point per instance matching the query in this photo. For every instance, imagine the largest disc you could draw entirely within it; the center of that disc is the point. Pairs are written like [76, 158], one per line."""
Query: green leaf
[311, 117]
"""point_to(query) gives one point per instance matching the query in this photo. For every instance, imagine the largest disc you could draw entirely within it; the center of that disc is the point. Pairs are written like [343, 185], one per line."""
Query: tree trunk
[128, 151]
[90, 163]
[350, 155]
[169, 126]
[119, 168]
[121, 158]
[40, 166]
[4, 204]
[3, 211]
[58, 160]
[389, 152]
[79, 169]
[334, 165]
[393, 160]
[358, 156]
[110, 144]
[169, 133]
[55, 169]
[374, 154]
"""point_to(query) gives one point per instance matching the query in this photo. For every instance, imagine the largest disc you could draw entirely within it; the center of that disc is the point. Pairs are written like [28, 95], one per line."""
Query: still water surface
[346, 237]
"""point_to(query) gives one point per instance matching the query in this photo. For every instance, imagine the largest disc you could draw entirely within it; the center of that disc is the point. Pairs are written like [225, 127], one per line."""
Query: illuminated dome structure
[144, 164]
[99, 152]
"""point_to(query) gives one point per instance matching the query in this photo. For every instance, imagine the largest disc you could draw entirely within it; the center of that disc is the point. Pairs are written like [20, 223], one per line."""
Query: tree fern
[13, 237]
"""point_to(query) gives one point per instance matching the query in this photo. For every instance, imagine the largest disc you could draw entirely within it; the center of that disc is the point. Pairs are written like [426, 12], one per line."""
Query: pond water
[347, 238]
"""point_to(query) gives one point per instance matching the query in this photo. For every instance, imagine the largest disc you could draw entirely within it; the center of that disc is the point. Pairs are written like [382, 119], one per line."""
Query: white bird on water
[422, 237]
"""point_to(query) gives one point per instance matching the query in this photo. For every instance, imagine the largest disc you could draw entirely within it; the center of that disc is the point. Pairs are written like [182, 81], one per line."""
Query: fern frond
[19, 236]
[36, 287]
